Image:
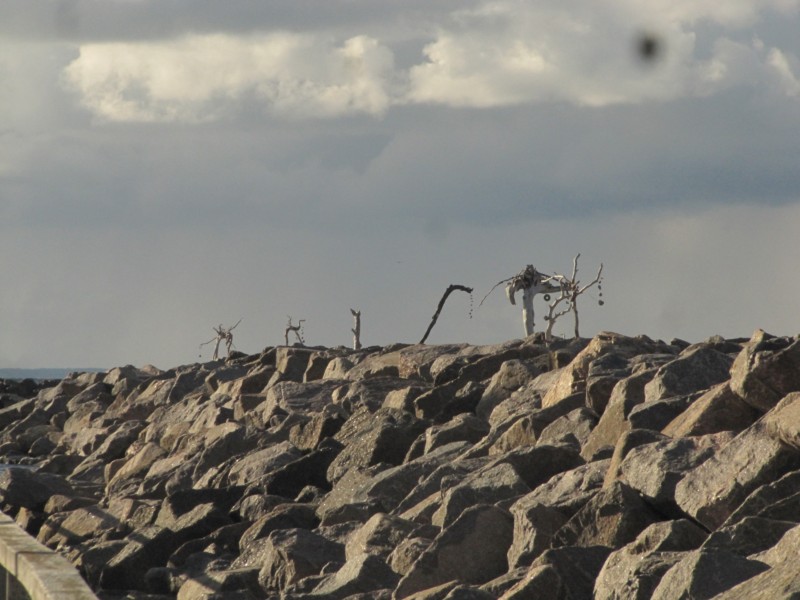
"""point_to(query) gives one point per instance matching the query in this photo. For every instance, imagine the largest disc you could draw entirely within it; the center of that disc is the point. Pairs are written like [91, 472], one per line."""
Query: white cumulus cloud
[200, 77]
[512, 51]
[485, 54]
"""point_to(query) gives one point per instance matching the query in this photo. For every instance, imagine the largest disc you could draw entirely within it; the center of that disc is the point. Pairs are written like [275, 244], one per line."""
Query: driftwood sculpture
[530, 282]
[222, 335]
[570, 289]
[356, 328]
[447, 292]
[297, 329]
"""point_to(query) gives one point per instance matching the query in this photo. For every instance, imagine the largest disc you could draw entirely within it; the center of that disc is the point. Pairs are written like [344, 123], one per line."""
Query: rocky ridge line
[616, 467]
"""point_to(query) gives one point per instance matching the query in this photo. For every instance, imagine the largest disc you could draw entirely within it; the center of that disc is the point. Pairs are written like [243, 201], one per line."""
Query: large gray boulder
[290, 555]
[471, 550]
[711, 491]
[613, 517]
[766, 370]
[702, 574]
[486, 486]
[372, 438]
[464, 427]
[561, 573]
[361, 574]
[782, 580]
[150, 547]
[655, 469]
[783, 421]
[512, 375]
[573, 377]
[634, 571]
[627, 394]
[381, 487]
[779, 500]
[749, 536]
[542, 512]
[256, 465]
[379, 536]
[718, 409]
[696, 369]
[22, 487]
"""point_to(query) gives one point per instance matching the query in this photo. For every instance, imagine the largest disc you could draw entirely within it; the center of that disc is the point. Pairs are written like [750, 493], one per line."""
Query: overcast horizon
[169, 166]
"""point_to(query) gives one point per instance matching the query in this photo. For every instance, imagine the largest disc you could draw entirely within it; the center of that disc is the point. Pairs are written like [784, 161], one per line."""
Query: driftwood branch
[569, 292]
[296, 329]
[451, 288]
[356, 328]
[222, 335]
[530, 282]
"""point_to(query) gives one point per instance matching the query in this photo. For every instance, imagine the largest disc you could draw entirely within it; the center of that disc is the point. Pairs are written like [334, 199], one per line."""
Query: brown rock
[719, 409]
[613, 517]
[628, 393]
[471, 550]
[703, 574]
[766, 370]
[710, 492]
[783, 421]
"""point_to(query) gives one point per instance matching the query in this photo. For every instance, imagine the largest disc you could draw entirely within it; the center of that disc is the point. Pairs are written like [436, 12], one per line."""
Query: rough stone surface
[710, 492]
[703, 574]
[634, 571]
[766, 370]
[616, 467]
[473, 550]
[718, 409]
[613, 517]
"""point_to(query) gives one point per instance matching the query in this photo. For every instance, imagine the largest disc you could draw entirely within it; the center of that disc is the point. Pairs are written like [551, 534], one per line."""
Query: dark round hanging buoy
[600, 302]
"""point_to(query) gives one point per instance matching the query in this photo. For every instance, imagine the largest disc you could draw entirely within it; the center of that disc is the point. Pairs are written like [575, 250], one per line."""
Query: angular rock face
[710, 492]
[766, 370]
[617, 467]
[473, 549]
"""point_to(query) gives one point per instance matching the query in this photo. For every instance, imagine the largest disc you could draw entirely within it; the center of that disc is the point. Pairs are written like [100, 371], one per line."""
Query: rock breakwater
[612, 467]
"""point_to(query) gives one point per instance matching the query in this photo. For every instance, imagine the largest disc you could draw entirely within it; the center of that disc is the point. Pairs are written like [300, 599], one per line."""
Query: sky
[169, 166]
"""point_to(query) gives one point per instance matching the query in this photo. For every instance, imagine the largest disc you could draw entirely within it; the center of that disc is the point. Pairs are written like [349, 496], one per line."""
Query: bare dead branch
[451, 288]
[570, 291]
[297, 329]
[223, 334]
[356, 328]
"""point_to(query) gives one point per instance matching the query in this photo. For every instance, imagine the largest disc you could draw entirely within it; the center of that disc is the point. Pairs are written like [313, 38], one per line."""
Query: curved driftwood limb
[356, 328]
[451, 288]
[297, 329]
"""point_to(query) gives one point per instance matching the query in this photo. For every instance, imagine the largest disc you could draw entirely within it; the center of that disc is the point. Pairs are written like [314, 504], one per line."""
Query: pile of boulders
[616, 467]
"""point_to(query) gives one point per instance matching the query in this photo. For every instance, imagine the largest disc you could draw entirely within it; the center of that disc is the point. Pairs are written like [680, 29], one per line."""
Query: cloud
[483, 55]
[511, 52]
[781, 68]
[200, 77]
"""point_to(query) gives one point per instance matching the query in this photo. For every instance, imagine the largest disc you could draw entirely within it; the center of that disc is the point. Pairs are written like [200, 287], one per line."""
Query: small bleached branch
[356, 328]
[222, 335]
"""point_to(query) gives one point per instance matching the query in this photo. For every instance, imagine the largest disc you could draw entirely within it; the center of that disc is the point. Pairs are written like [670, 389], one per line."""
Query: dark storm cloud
[104, 20]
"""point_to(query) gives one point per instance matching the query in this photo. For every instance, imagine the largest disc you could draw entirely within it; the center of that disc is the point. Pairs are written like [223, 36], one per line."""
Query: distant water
[40, 374]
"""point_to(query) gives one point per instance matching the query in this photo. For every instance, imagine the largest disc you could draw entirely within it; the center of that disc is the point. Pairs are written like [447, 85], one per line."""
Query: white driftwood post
[530, 282]
[356, 329]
